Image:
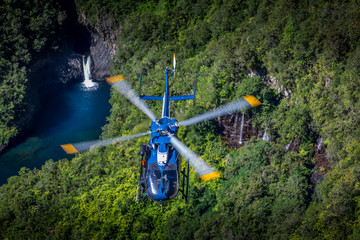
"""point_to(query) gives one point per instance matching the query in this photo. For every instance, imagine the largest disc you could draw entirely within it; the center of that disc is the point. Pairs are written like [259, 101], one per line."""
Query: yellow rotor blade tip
[115, 79]
[69, 148]
[252, 100]
[210, 176]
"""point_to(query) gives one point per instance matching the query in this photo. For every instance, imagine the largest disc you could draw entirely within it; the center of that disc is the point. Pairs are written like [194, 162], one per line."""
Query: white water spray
[266, 137]
[241, 129]
[319, 143]
[288, 146]
[88, 83]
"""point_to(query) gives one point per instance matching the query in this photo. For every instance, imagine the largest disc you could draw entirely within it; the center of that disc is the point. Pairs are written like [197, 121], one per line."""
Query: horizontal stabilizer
[157, 98]
[185, 97]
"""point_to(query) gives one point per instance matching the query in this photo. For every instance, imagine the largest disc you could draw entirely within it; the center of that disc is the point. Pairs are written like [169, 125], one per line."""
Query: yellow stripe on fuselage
[115, 79]
[210, 176]
[69, 148]
[252, 100]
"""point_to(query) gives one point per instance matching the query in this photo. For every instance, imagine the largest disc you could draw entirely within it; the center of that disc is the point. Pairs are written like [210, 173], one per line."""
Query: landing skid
[185, 184]
[141, 186]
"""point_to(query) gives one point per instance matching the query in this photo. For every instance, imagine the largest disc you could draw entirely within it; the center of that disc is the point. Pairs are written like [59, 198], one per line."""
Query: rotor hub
[161, 129]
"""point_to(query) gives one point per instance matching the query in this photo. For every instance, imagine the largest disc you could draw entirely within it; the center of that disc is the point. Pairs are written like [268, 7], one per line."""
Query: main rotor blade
[120, 84]
[241, 104]
[84, 146]
[203, 169]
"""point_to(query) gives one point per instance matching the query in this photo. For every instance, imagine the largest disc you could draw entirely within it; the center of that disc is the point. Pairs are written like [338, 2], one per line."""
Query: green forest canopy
[27, 27]
[310, 49]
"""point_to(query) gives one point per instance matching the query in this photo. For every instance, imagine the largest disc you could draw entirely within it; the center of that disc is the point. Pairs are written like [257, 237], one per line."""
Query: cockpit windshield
[153, 179]
[170, 184]
[170, 180]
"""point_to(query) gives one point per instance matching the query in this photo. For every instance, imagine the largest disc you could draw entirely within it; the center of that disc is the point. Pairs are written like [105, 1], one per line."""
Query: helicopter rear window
[154, 179]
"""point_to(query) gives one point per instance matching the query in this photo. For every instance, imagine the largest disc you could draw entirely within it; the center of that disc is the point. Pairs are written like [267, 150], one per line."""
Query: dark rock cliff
[100, 56]
[322, 163]
[230, 126]
[103, 44]
[63, 64]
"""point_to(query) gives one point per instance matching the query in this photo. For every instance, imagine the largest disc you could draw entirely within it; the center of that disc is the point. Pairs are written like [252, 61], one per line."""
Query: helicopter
[160, 166]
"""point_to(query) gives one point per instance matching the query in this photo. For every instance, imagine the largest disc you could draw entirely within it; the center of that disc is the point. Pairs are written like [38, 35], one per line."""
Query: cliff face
[100, 56]
[237, 129]
[63, 64]
[271, 82]
[103, 44]
[81, 38]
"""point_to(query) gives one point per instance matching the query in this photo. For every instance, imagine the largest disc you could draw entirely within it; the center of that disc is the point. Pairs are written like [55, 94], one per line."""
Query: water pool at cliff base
[69, 113]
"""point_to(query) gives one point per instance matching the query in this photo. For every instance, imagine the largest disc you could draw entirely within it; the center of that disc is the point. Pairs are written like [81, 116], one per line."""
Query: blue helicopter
[160, 163]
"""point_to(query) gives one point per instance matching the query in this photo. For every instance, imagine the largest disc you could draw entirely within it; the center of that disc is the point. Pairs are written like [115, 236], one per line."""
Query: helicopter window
[153, 179]
[170, 179]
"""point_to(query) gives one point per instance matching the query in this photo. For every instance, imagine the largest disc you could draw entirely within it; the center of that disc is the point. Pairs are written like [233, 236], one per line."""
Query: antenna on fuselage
[174, 64]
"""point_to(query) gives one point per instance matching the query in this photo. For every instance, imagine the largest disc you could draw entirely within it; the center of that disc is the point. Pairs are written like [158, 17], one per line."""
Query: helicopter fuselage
[162, 165]
[161, 174]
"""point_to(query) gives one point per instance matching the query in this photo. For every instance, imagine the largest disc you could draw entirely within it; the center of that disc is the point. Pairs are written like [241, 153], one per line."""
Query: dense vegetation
[26, 28]
[310, 50]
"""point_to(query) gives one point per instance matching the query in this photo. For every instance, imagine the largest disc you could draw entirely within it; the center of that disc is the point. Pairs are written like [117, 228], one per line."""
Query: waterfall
[88, 83]
[287, 146]
[266, 137]
[236, 120]
[319, 143]
[241, 129]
